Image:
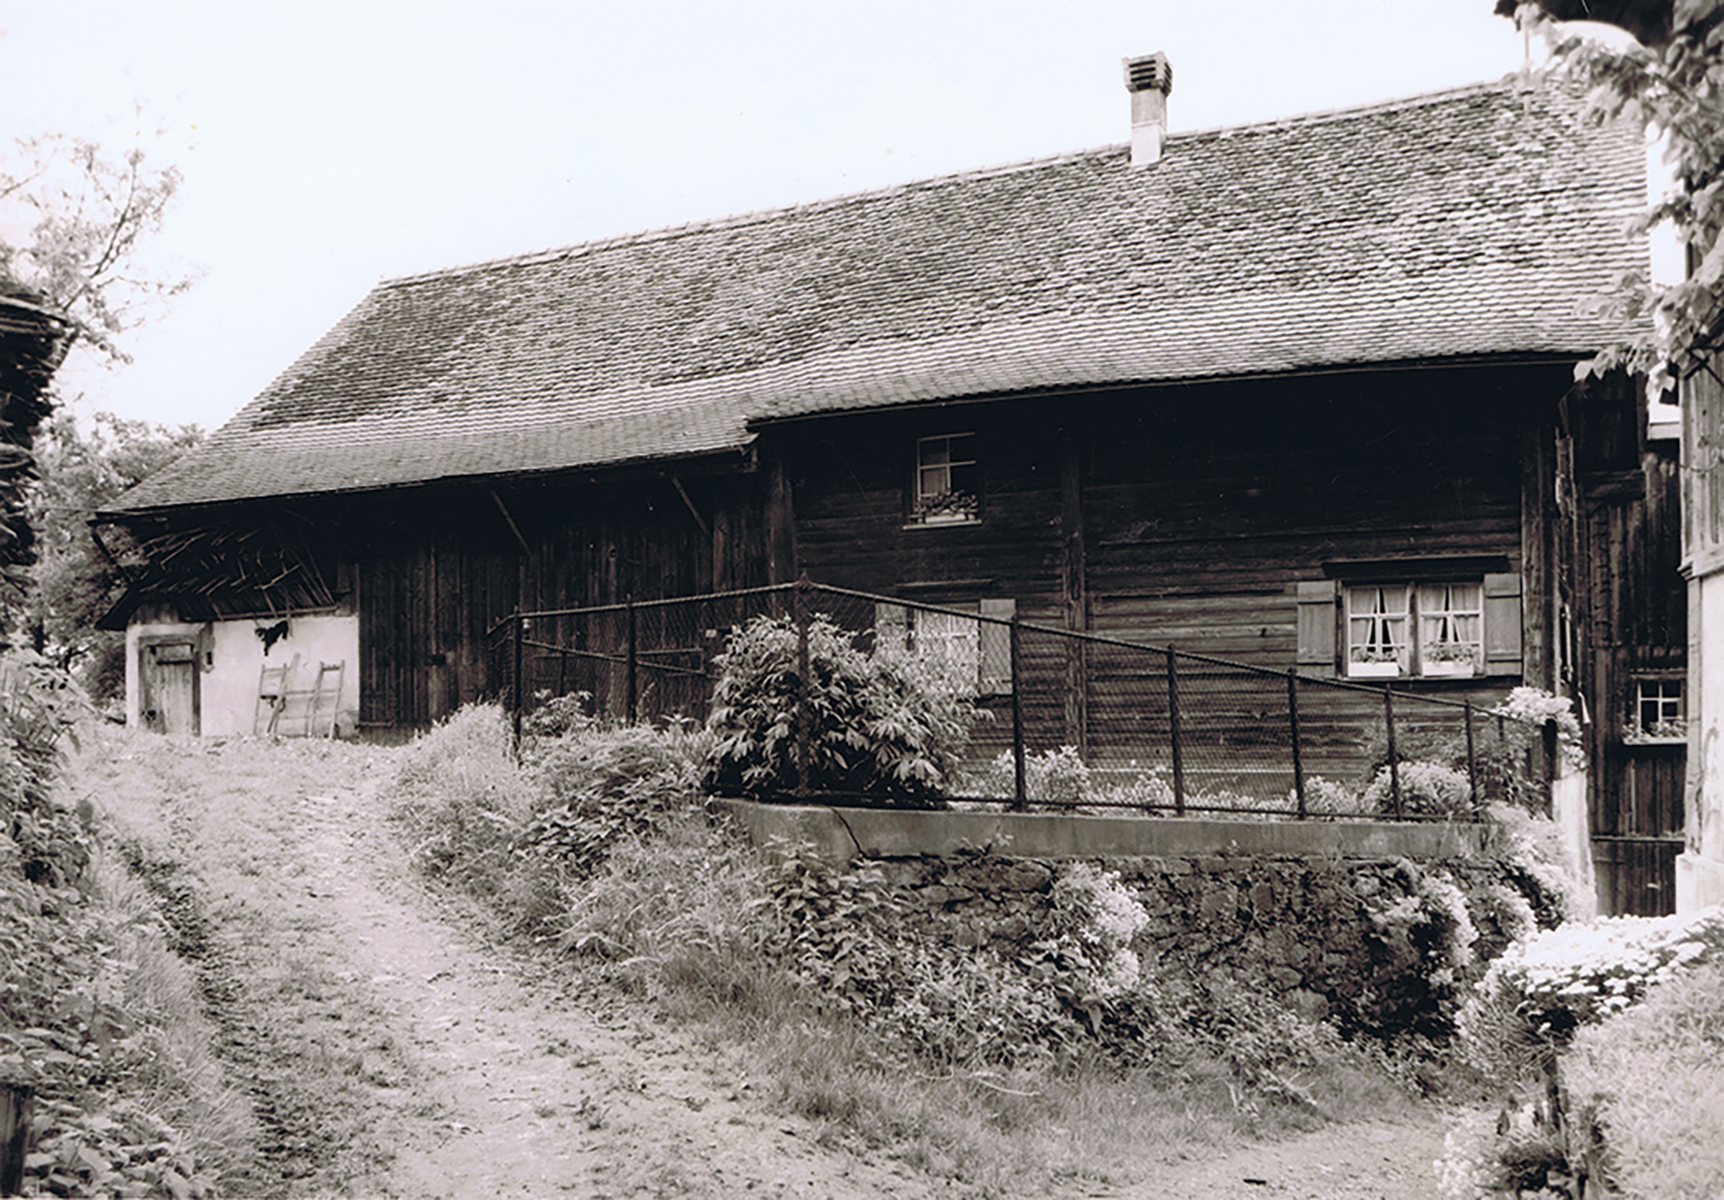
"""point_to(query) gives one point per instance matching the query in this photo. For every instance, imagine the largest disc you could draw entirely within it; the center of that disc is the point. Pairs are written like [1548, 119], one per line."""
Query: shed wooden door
[168, 702]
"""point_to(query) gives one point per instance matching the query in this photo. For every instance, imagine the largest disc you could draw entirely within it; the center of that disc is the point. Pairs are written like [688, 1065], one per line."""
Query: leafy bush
[1531, 847]
[1328, 797]
[1574, 984]
[554, 717]
[595, 786]
[1654, 1077]
[1426, 789]
[95, 1013]
[873, 727]
[1577, 975]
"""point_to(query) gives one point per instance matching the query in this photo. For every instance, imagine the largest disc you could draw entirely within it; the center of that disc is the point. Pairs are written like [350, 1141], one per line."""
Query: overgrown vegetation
[1603, 1046]
[100, 1018]
[907, 1027]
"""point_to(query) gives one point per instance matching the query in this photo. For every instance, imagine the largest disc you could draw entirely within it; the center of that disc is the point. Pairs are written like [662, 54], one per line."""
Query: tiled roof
[1482, 222]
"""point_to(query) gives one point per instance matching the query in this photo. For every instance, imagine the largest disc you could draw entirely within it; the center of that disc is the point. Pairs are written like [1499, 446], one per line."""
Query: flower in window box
[1459, 659]
[1373, 663]
[1659, 731]
[947, 507]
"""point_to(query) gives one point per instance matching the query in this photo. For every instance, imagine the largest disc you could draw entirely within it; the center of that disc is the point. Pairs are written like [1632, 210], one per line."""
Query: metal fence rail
[1069, 720]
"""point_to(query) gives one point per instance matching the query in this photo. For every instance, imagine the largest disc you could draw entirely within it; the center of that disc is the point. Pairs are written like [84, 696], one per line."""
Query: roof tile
[1486, 221]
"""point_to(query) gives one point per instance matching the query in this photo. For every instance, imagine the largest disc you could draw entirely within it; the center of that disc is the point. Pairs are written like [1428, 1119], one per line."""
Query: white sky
[329, 145]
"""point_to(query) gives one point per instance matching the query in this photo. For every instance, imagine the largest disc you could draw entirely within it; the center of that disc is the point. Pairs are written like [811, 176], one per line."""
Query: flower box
[1373, 670]
[1448, 668]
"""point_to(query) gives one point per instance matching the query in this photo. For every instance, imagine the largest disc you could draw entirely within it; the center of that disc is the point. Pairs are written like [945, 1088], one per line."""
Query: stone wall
[1366, 942]
[1376, 926]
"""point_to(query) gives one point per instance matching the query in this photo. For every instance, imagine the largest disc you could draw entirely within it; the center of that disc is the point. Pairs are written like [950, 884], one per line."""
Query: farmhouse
[1298, 394]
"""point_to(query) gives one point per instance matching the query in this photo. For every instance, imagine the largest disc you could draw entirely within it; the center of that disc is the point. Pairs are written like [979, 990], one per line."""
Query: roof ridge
[1417, 99]
[761, 215]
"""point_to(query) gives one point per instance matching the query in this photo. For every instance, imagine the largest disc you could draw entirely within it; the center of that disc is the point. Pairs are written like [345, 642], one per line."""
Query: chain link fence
[1066, 719]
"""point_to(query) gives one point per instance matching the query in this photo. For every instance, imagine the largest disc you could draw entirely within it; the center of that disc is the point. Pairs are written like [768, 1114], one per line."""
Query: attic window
[947, 487]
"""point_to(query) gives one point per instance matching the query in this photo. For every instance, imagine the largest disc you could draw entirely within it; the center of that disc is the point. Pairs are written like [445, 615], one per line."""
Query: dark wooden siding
[1633, 616]
[439, 569]
[1198, 510]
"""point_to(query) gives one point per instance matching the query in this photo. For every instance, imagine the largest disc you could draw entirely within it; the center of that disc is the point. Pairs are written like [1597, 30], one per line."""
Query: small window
[1660, 712]
[971, 657]
[948, 481]
[1432, 630]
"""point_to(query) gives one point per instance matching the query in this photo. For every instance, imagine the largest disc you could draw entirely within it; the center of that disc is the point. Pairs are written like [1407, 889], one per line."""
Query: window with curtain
[1427, 629]
[970, 656]
[947, 487]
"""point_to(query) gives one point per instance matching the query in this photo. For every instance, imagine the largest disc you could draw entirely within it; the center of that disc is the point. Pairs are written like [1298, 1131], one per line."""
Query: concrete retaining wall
[846, 834]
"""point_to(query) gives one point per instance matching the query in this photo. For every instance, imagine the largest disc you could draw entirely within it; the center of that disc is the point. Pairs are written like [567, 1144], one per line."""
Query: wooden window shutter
[996, 648]
[1316, 627]
[1502, 625]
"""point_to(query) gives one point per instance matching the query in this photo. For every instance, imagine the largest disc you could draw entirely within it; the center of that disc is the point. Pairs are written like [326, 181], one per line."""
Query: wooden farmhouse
[1298, 394]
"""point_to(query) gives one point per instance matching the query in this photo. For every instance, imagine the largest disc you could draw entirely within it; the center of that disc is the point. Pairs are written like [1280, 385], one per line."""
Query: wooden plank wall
[1201, 509]
[437, 570]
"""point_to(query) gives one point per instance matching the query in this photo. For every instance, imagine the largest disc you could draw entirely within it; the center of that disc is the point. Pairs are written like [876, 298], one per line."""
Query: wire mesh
[1064, 719]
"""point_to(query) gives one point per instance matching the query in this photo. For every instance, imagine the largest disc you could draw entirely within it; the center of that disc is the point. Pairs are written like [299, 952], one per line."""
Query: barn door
[168, 695]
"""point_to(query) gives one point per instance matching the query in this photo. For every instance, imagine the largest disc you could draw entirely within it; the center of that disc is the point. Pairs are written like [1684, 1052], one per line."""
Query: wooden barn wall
[1197, 511]
[437, 571]
[1631, 613]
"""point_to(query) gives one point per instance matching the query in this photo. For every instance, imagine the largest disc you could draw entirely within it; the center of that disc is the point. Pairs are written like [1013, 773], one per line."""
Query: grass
[666, 900]
[187, 1087]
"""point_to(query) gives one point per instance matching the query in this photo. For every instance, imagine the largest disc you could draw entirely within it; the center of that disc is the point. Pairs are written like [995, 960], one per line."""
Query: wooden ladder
[272, 688]
[284, 710]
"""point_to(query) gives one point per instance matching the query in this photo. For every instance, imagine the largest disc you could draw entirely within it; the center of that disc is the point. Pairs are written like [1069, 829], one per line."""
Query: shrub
[1584, 986]
[1577, 975]
[1051, 776]
[873, 727]
[1327, 797]
[595, 786]
[555, 717]
[1654, 1076]
[1531, 847]
[1427, 789]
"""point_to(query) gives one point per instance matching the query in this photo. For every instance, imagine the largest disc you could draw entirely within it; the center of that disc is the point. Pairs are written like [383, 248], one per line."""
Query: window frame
[1413, 654]
[951, 505]
[1668, 731]
[987, 673]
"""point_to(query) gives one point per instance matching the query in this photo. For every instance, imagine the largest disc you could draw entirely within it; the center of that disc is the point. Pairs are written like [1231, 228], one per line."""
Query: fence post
[520, 624]
[633, 681]
[1173, 733]
[1472, 759]
[1019, 795]
[16, 1103]
[1394, 765]
[1550, 766]
[799, 600]
[1293, 731]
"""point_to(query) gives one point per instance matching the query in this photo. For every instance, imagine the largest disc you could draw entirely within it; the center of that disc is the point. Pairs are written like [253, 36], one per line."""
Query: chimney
[1149, 79]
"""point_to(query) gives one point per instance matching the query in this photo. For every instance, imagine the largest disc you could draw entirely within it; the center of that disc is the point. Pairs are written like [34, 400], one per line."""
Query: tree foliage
[1673, 79]
[82, 472]
[72, 217]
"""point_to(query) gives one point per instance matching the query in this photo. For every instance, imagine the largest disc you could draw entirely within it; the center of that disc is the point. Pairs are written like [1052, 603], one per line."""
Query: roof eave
[738, 458]
[1447, 362]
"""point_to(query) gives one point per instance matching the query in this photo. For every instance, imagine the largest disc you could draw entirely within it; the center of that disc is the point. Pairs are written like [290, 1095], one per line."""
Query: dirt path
[390, 1048]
